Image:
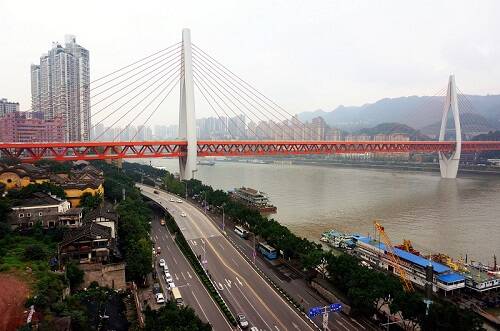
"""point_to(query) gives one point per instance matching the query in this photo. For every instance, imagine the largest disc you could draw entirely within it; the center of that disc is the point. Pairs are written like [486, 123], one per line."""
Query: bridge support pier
[449, 164]
[187, 119]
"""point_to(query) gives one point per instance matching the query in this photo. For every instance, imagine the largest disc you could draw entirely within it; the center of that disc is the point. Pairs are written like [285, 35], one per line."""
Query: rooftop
[407, 256]
[39, 199]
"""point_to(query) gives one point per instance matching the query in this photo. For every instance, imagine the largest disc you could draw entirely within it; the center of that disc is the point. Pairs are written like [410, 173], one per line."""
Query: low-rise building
[38, 208]
[415, 266]
[104, 215]
[89, 243]
[72, 218]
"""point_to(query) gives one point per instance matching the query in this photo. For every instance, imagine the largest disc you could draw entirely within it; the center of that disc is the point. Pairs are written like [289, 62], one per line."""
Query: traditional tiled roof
[92, 230]
[39, 199]
[105, 210]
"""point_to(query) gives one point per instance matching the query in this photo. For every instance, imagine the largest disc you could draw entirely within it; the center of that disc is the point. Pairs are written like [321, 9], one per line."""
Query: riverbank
[402, 166]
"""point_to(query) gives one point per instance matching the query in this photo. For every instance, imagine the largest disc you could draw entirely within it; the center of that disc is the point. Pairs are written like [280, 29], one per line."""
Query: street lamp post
[324, 311]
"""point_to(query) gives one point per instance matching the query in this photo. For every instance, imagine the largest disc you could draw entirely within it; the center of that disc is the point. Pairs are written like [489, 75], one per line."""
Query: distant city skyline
[303, 57]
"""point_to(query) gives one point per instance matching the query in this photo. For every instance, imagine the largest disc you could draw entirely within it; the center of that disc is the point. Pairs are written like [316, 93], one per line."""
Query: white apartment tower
[60, 88]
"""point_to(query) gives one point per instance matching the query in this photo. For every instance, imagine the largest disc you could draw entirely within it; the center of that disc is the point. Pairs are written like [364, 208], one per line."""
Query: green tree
[173, 318]
[74, 275]
[34, 252]
[88, 201]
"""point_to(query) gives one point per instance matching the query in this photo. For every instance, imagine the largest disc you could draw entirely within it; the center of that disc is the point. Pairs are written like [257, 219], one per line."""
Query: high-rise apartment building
[7, 107]
[60, 88]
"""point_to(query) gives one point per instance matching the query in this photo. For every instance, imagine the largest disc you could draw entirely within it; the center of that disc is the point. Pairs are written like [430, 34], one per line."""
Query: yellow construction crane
[407, 285]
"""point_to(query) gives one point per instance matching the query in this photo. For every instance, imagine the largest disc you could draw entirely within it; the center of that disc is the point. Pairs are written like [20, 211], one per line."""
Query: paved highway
[240, 285]
[192, 290]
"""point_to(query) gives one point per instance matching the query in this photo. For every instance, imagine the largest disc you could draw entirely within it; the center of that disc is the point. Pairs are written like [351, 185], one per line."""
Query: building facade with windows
[60, 88]
[7, 107]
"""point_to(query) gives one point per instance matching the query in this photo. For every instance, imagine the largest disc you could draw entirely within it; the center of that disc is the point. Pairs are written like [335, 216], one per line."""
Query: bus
[176, 294]
[241, 232]
[268, 251]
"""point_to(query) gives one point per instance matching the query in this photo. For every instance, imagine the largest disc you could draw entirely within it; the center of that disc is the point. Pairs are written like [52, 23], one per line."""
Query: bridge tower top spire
[449, 165]
[187, 118]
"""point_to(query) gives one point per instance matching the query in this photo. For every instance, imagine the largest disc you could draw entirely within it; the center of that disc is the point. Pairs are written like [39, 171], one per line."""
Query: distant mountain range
[481, 113]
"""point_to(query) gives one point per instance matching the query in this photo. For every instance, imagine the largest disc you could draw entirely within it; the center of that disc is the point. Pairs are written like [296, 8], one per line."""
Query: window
[40, 214]
[30, 224]
[28, 214]
[21, 215]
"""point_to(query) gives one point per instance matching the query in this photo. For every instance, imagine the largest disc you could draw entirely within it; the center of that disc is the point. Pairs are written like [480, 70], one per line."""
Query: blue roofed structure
[451, 278]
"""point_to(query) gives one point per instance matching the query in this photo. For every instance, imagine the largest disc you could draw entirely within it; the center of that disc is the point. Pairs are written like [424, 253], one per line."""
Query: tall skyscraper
[60, 88]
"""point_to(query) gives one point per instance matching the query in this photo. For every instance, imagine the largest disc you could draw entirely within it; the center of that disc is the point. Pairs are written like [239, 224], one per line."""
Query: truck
[176, 295]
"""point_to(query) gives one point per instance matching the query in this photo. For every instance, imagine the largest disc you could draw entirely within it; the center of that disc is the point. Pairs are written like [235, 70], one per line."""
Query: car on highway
[168, 277]
[254, 328]
[242, 321]
[159, 298]
[179, 201]
[171, 285]
[183, 214]
[172, 200]
[162, 263]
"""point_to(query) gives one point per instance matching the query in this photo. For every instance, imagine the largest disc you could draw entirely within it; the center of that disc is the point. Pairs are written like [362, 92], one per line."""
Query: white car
[179, 201]
[172, 200]
[171, 285]
[183, 214]
[242, 321]
[168, 277]
[162, 263]
[159, 298]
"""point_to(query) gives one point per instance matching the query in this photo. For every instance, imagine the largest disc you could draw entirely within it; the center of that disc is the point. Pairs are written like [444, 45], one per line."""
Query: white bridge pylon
[449, 165]
[187, 118]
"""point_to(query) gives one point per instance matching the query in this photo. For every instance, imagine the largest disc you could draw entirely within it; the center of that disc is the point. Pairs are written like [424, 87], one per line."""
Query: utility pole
[324, 311]
[223, 224]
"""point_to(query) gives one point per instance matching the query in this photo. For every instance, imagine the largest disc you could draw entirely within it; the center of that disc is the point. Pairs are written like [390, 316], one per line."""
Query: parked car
[171, 285]
[183, 214]
[156, 192]
[168, 277]
[242, 321]
[162, 263]
[172, 200]
[179, 201]
[156, 288]
[162, 222]
[159, 298]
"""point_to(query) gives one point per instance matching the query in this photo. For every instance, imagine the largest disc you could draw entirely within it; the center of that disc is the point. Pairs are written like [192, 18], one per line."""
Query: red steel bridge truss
[71, 151]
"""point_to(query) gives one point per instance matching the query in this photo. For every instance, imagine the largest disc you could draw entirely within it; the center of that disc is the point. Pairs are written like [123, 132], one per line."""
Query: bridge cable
[202, 83]
[238, 81]
[242, 82]
[169, 58]
[203, 72]
[138, 61]
[219, 79]
[167, 70]
[154, 110]
[113, 112]
[144, 109]
[211, 106]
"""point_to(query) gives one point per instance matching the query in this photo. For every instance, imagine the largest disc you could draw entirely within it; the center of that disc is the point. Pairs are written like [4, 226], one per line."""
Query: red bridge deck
[30, 152]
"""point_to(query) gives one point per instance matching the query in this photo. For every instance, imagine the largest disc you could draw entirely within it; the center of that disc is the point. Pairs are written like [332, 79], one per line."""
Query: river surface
[455, 217]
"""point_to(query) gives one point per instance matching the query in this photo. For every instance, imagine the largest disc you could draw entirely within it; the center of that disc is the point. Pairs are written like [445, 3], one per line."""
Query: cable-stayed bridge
[255, 125]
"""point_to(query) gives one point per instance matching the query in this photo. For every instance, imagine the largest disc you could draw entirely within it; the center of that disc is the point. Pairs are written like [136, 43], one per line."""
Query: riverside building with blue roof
[375, 253]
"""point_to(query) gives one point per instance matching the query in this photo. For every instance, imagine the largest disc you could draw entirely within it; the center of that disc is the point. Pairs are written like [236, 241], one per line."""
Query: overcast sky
[305, 55]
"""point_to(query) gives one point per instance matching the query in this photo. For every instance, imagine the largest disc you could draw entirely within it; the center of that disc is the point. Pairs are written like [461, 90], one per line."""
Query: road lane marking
[221, 246]
[234, 261]
[277, 328]
[189, 275]
[228, 282]
[360, 325]
[176, 277]
[263, 320]
[220, 286]
[203, 311]
[342, 325]
[182, 274]
[295, 326]
[239, 281]
[194, 242]
[262, 302]
[175, 261]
